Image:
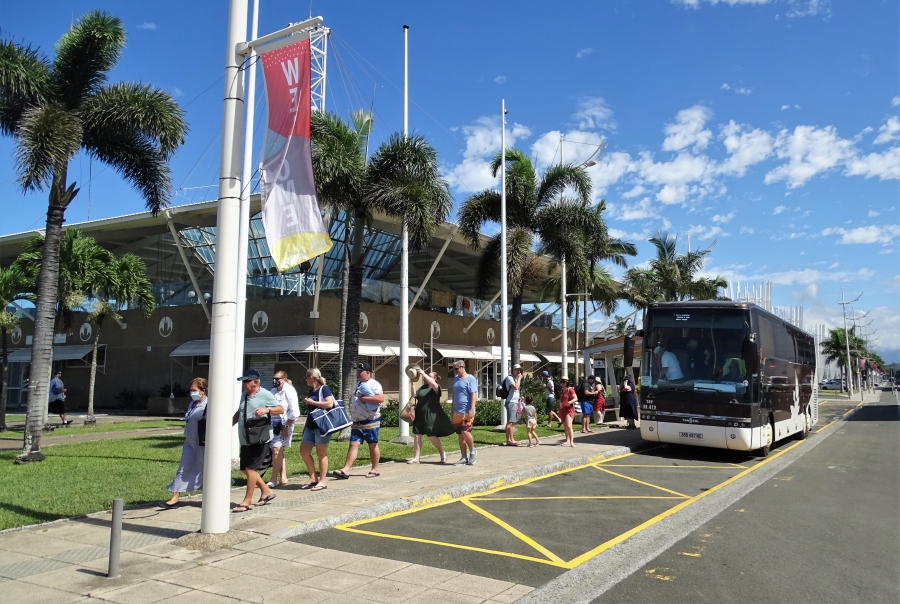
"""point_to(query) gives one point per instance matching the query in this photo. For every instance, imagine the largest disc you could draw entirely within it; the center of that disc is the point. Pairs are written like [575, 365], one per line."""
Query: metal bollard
[115, 539]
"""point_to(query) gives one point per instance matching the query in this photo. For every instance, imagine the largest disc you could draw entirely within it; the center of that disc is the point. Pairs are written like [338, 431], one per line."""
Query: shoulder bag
[257, 430]
[331, 420]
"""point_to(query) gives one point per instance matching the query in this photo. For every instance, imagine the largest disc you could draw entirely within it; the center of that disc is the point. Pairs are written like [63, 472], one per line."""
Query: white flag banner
[291, 216]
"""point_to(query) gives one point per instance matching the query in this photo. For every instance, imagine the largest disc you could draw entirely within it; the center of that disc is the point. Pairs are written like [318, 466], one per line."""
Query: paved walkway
[66, 561]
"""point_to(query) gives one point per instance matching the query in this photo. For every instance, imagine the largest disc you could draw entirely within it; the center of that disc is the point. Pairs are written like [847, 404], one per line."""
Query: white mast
[504, 312]
[562, 291]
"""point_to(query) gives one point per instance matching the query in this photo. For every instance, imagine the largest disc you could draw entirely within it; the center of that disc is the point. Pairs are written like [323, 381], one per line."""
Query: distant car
[831, 385]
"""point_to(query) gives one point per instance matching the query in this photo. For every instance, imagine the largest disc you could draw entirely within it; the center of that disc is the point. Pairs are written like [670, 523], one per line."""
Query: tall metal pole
[217, 467]
[240, 316]
[562, 288]
[504, 309]
[847, 342]
[403, 437]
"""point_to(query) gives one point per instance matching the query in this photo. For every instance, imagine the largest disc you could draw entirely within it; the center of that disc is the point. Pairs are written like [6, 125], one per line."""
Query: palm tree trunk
[515, 322]
[351, 325]
[90, 410]
[44, 318]
[5, 385]
[345, 276]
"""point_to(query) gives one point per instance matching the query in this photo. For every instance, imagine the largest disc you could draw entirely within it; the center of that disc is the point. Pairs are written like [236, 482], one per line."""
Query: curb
[467, 488]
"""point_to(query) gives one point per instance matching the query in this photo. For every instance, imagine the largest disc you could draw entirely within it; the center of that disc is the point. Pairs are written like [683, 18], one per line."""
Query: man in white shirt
[365, 410]
[668, 363]
[282, 425]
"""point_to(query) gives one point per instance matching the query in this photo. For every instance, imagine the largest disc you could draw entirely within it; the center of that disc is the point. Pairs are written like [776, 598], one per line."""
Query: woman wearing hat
[567, 398]
[428, 417]
[628, 401]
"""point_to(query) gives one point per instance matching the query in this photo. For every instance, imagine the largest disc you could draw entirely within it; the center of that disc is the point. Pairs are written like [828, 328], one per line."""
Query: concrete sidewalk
[65, 561]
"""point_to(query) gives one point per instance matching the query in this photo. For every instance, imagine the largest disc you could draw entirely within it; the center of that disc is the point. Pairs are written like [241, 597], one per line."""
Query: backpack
[579, 391]
[503, 389]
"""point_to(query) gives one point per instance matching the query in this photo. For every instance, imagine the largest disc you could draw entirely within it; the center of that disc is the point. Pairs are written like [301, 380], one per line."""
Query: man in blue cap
[254, 433]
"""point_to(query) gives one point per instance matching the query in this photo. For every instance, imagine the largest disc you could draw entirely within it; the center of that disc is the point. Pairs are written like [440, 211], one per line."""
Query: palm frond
[48, 137]
[122, 109]
[475, 212]
[84, 55]
[557, 178]
[338, 162]
[24, 81]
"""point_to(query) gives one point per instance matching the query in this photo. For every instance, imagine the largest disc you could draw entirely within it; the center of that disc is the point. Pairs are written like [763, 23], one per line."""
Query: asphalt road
[824, 529]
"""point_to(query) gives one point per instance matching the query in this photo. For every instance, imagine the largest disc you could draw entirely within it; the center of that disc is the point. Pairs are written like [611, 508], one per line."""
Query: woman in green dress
[429, 418]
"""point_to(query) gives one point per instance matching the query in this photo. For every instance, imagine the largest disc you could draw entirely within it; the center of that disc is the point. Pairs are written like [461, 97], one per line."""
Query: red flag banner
[293, 221]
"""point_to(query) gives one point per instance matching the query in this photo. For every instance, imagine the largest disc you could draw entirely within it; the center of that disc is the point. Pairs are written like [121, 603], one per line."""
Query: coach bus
[724, 374]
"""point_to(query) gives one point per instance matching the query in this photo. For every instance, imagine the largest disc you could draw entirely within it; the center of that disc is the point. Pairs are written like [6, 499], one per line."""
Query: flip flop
[319, 487]
[373, 475]
[412, 461]
[308, 485]
[265, 500]
[240, 509]
[340, 474]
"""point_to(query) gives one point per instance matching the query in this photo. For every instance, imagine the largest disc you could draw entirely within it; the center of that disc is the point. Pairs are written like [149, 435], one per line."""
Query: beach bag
[407, 414]
[331, 420]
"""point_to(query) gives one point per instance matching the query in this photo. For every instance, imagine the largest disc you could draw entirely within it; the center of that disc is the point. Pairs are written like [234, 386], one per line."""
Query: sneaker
[462, 461]
[270, 484]
[472, 457]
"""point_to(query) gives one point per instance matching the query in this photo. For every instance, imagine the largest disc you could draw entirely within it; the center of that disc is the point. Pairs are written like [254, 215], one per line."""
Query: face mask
[276, 382]
[195, 395]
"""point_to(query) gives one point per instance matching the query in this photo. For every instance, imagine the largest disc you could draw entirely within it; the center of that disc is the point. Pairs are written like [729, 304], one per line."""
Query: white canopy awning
[60, 353]
[523, 355]
[307, 343]
[464, 352]
[554, 357]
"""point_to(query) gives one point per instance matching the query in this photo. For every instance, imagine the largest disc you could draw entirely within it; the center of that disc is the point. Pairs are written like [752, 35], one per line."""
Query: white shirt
[551, 389]
[366, 412]
[669, 362]
[287, 398]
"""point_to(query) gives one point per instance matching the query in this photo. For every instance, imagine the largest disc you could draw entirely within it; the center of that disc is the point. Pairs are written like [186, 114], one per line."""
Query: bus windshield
[695, 348]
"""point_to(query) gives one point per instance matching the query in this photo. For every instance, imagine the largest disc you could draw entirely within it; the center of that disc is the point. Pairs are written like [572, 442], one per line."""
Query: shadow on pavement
[876, 413]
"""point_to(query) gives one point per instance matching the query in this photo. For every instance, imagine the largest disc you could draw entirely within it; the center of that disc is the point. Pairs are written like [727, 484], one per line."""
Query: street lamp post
[504, 311]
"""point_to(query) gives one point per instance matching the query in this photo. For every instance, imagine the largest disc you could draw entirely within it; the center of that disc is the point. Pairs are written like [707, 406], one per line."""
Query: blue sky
[768, 126]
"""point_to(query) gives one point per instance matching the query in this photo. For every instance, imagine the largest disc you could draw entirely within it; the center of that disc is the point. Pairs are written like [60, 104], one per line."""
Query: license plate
[691, 435]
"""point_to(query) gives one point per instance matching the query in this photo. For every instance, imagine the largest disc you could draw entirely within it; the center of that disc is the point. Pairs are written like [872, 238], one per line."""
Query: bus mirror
[750, 352]
[628, 352]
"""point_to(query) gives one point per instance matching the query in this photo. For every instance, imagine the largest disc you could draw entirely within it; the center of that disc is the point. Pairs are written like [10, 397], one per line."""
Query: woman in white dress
[189, 476]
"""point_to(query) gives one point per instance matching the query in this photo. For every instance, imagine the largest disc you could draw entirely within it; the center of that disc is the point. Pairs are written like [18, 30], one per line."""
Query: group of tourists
[266, 420]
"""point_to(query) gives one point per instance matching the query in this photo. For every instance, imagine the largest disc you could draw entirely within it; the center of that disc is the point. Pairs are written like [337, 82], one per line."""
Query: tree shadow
[36, 515]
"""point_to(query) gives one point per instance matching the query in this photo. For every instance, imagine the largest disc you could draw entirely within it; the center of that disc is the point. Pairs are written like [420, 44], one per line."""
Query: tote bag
[331, 420]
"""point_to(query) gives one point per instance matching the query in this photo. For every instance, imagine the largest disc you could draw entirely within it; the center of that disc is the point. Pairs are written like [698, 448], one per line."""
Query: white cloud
[883, 234]
[583, 53]
[147, 25]
[683, 176]
[634, 192]
[176, 92]
[744, 91]
[706, 232]
[889, 131]
[783, 107]
[594, 114]
[578, 147]
[895, 101]
[724, 218]
[778, 210]
[746, 230]
[886, 166]
[482, 143]
[809, 8]
[500, 79]
[688, 130]
[744, 148]
[809, 151]
[725, 86]
[792, 277]
[873, 214]
[697, 3]
[834, 265]
[634, 211]
[609, 169]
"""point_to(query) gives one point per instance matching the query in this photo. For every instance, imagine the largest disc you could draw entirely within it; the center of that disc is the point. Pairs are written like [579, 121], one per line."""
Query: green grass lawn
[118, 427]
[82, 478]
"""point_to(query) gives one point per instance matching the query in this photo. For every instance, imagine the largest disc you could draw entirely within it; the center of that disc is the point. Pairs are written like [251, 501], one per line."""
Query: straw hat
[412, 371]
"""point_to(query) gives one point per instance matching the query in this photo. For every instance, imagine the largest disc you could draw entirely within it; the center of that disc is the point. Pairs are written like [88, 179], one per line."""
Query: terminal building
[140, 357]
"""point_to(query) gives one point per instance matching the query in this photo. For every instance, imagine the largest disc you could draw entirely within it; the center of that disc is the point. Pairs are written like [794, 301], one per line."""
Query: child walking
[530, 416]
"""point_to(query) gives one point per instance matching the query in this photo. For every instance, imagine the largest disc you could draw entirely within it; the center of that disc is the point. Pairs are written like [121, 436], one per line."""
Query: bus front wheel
[770, 437]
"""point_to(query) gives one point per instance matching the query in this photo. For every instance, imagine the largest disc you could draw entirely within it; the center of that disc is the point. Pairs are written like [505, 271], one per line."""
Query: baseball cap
[592, 378]
[250, 374]
[546, 373]
[517, 366]
[364, 367]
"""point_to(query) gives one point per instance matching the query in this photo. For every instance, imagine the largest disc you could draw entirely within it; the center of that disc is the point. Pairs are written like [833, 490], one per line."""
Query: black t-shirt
[325, 392]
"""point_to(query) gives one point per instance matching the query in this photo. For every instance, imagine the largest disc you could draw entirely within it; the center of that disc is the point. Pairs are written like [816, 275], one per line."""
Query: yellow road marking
[692, 555]
[349, 529]
[576, 497]
[642, 482]
[514, 531]
[659, 517]
[638, 465]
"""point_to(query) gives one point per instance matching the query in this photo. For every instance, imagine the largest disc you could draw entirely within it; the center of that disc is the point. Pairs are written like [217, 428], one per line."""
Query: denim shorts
[364, 435]
[315, 437]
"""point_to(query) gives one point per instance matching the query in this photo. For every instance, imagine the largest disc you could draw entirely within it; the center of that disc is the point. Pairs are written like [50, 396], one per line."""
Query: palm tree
[402, 180]
[15, 284]
[54, 109]
[535, 208]
[835, 350]
[671, 276]
[128, 288]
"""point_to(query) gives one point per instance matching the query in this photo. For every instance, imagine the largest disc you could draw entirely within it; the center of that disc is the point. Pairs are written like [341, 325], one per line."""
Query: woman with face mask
[189, 476]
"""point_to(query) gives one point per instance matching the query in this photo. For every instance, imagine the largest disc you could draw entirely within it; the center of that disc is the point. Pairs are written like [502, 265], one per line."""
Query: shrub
[390, 414]
[174, 390]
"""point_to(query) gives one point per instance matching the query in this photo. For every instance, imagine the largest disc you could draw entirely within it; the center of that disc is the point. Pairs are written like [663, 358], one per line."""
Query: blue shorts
[551, 404]
[312, 435]
[587, 409]
[364, 435]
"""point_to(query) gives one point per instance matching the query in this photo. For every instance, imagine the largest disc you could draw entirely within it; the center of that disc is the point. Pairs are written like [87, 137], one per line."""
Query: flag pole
[403, 437]
[217, 466]
[504, 311]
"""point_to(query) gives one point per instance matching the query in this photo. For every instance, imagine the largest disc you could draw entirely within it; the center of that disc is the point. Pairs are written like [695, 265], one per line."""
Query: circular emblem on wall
[260, 321]
[435, 330]
[534, 340]
[165, 327]
[85, 332]
[490, 335]
[363, 322]
[16, 335]
[569, 342]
